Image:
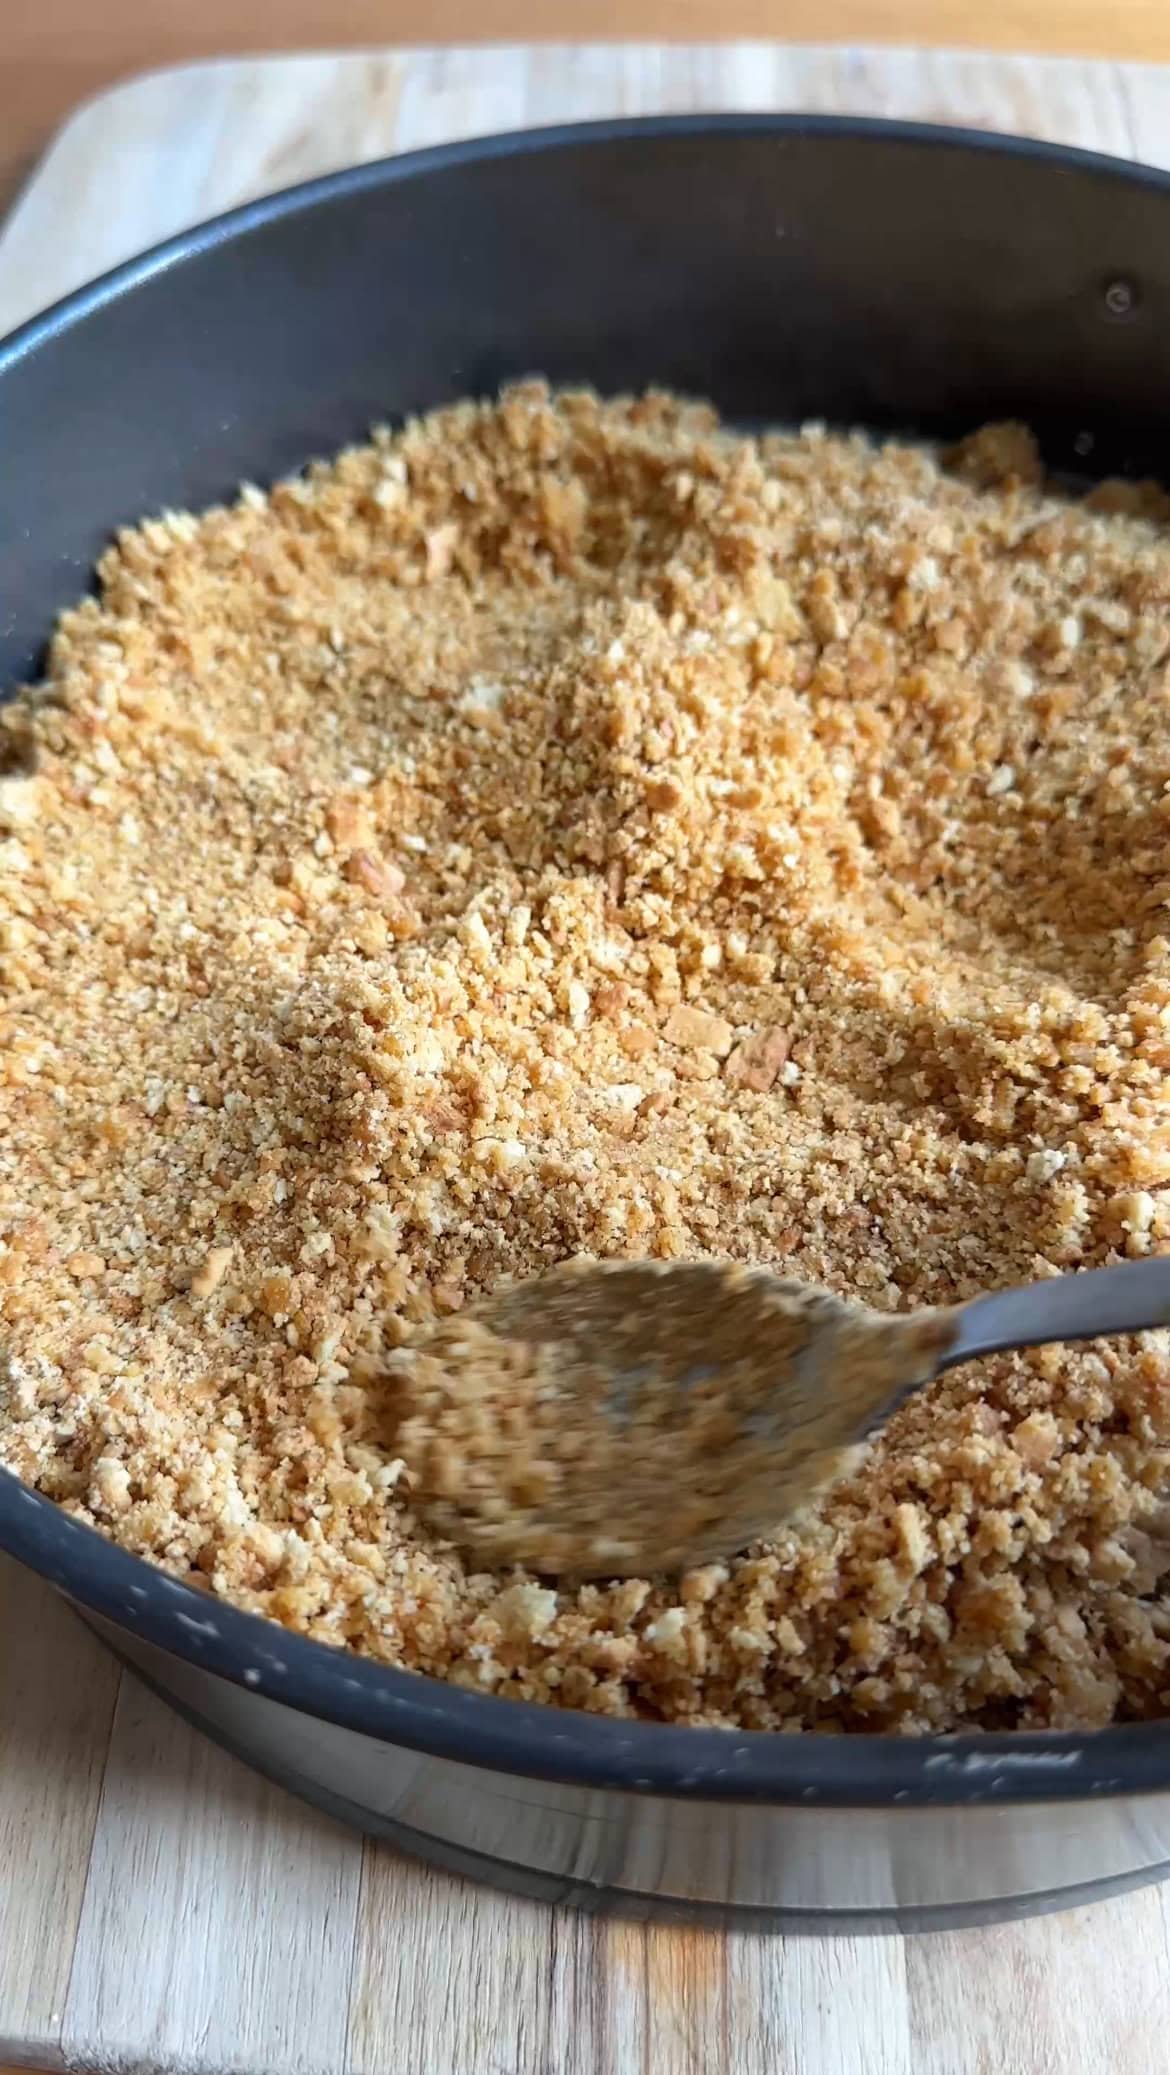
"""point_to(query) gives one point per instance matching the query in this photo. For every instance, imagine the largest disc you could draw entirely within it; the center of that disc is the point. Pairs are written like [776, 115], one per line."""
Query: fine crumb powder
[564, 828]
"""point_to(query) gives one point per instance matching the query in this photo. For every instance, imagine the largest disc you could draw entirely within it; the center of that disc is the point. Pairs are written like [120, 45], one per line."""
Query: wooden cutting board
[161, 1909]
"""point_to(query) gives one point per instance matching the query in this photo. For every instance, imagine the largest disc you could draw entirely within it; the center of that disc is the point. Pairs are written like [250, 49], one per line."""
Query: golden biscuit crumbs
[570, 827]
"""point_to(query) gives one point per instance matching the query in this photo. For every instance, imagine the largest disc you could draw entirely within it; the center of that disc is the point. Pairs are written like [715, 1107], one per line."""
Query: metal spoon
[620, 1418]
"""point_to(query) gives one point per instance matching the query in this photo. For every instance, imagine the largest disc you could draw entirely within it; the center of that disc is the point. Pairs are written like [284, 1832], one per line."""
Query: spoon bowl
[621, 1418]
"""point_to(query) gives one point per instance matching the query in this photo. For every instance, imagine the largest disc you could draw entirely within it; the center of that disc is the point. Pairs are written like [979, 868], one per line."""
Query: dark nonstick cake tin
[898, 278]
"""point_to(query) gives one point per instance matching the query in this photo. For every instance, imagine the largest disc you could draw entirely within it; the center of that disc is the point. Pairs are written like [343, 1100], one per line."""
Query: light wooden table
[53, 53]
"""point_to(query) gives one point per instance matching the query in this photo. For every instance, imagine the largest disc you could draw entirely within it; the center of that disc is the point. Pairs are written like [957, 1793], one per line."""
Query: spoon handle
[1126, 1299]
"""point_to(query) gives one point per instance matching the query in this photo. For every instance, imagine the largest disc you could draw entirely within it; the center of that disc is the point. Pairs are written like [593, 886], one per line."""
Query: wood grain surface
[161, 1908]
[53, 53]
